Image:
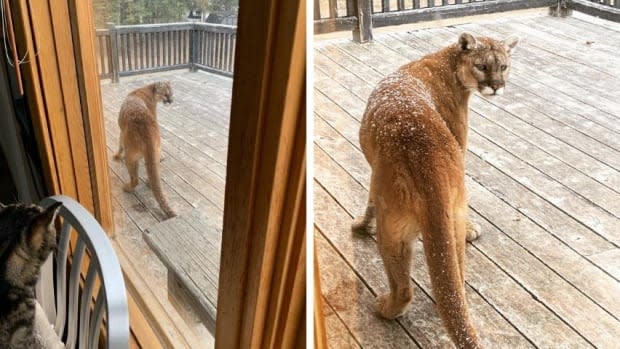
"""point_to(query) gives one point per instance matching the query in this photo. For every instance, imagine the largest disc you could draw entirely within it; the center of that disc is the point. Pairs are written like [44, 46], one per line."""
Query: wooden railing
[361, 16]
[612, 3]
[138, 49]
[607, 9]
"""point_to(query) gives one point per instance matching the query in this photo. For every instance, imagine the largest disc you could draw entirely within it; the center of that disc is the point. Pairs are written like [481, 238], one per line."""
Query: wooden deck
[194, 132]
[543, 177]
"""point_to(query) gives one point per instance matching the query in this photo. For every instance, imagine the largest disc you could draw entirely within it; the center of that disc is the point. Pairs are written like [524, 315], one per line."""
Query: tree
[123, 12]
[222, 5]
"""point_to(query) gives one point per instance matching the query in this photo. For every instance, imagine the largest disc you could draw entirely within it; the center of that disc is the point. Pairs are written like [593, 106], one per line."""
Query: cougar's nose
[496, 85]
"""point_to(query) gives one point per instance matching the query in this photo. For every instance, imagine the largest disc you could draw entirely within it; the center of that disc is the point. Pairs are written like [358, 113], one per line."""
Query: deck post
[561, 9]
[193, 48]
[362, 32]
[113, 52]
[317, 9]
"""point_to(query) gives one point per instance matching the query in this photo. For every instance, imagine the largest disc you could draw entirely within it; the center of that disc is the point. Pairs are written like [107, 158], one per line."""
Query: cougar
[140, 137]
[414, 136]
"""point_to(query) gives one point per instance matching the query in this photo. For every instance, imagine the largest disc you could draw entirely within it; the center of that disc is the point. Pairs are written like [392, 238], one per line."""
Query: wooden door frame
[262, 269]
[261, 299]
[320, 334]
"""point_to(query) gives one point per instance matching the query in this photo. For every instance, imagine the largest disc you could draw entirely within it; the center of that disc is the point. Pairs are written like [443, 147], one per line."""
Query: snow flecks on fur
[399, 103]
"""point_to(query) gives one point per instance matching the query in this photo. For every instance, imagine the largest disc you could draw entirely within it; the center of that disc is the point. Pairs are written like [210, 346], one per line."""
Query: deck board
[194, 130]
[542, 173]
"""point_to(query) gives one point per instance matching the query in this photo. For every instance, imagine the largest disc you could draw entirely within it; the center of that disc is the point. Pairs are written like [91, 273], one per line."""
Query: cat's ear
[510, 43]
[48, 217]
[467, 42]
[43, 224]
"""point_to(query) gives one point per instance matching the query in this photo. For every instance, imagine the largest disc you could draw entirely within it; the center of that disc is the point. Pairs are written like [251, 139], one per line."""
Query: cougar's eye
[481, 67]
[503, 67]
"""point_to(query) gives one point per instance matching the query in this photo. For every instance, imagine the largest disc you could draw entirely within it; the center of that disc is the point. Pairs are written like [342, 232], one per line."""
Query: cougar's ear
[510, 43]
[467, 42]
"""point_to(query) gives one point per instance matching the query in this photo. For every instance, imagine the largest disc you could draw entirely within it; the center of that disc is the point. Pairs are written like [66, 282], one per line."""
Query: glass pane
[175, 57]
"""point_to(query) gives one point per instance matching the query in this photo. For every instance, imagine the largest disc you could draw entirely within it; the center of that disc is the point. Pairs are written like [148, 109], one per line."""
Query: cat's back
[17, 325]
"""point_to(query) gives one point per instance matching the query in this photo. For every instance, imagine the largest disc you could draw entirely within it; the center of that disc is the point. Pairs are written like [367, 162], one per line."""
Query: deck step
[189, 247]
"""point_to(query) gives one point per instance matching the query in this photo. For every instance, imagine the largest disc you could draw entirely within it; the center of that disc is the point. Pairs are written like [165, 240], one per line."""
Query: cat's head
[484, 63]
[163, 91]
[27, 236]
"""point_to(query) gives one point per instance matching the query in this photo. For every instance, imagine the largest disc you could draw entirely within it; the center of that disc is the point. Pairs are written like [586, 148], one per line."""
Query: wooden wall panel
[72, 113]
[64, 101]
[32, 88]
[51, 88]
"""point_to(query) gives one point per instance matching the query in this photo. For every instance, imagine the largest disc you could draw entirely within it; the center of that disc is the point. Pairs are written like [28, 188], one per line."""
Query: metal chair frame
[73, 317]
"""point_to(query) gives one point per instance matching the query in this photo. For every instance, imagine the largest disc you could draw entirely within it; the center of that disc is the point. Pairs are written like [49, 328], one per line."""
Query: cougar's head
[484, 63]
[163, 91]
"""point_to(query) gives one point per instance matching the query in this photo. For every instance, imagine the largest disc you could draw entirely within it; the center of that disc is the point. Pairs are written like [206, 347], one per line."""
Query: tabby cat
[27, 237]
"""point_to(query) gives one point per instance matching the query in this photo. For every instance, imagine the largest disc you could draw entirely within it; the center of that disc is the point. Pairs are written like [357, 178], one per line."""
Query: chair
[66, 293]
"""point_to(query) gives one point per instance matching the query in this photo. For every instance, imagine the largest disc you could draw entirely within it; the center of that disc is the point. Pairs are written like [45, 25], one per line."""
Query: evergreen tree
[122, 12]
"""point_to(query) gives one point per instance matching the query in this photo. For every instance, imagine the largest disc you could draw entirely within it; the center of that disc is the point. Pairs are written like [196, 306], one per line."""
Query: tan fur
[414, 136]
[140, 137]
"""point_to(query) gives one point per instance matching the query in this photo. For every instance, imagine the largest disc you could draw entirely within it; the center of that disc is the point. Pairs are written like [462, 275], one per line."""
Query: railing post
[561, 9]
[193, 47]
[363, 11]
[113, 51]
[317, 9]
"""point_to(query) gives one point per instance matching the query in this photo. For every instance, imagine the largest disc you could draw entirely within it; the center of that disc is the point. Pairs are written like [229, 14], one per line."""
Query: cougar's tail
[448, 285]
[151, 161]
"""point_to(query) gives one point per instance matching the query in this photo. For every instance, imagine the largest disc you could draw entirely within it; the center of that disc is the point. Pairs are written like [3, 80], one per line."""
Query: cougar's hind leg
[119, 154]
[366, 224]
[395, 243]
[132, 167]
[461, 235]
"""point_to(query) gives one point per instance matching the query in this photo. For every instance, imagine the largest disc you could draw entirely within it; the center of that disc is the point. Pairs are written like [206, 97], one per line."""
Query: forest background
[125, 12]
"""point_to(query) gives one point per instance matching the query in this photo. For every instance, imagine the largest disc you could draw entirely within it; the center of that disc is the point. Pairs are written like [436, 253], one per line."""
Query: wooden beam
[328, 25]
[266, 165]
[320, 335]
[287, 296]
